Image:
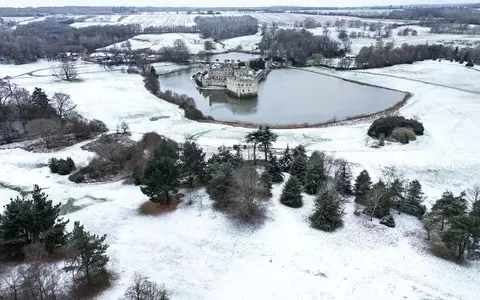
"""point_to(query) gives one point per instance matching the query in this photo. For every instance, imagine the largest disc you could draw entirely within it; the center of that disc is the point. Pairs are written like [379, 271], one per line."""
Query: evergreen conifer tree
[40, 98]
[328, 212]
[314, 179]
[286, 160]
[450, 206]
[414, 194]
[363, 185]
[89, 250]
[299, 151]
[161, 176]
[476, 209]
[343, 177]
[462, 232]
[274, 168]
[192, 161]
[266, 139]
[292, 193]
[299, 168]
[266, 184]
[28, 221]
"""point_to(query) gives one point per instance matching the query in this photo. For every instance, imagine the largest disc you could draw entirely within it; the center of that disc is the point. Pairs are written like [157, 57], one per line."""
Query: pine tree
[286, 160]
[299, 168]
[28, 221]
[161, 176]
[219, 182]
[475, 209]
[292, 193]
[314, 179]
[450, 206]
[328, 212]
[299, 151]
[266, 139]
[463, 230]
[363, 185]
[343, 177]
[254, 138]
[397, 190]
[266, 184]
[414, 193]
[192, 161]
[40, 99]
[274, 168]
[89, 260]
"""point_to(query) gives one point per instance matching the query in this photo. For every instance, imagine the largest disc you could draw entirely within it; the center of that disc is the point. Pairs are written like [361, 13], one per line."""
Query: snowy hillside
[199, 254]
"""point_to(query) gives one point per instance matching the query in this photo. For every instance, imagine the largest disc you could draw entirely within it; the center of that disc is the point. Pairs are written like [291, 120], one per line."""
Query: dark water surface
[287, 96]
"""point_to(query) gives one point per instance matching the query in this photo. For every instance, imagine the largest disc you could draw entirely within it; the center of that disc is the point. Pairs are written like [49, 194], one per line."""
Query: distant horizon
[221, 4]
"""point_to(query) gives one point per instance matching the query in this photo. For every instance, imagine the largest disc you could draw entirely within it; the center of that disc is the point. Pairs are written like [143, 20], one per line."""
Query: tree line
[50, 39]
[382, 55]
[226, 27]
[297, 46]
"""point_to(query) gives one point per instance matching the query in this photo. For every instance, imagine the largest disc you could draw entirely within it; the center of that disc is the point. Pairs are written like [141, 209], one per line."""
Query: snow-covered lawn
[199, 254]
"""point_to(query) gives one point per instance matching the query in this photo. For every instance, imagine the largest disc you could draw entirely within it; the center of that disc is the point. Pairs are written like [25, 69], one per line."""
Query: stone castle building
[236, 78]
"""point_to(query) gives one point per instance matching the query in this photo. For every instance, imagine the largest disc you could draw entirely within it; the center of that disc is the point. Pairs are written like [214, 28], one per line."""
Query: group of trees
[226, 27]
[31, 229]
[383, 55]
[391, 191]
[453, 223]
[50, 39]
[297, 46]
[38, 116]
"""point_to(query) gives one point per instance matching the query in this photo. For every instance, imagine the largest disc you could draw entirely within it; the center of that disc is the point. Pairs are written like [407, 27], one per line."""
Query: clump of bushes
[118, 157]
[470, 64]
[403, 135]
[61, 166]
[397, 127]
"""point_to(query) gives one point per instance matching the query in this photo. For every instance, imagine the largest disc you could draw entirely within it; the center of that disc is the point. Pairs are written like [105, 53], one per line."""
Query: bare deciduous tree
[63, 105]
[246, 193]
[143, 289]
[66, 71]
[47, 129]
[474, 193]
[430, 222]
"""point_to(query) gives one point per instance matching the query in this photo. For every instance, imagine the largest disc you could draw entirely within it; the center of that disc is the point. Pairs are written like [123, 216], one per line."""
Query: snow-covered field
[424, 37]
[199, 254]
[157, 19]
[192, 40]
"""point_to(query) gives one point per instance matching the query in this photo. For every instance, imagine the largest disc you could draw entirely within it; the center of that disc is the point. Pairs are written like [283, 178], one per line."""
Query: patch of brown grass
[149, 208]
[439, 250]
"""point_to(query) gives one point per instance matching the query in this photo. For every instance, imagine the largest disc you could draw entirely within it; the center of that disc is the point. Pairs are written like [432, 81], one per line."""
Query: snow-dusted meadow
[199, 254]
[193, 41]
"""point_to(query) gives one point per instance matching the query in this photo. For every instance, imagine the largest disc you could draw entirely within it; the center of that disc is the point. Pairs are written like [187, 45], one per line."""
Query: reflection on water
[287, 96]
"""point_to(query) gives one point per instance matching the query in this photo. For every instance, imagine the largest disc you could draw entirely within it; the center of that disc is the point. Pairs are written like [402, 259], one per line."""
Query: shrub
[193, 113]
[388, 221]
[77, 177]
[61, 166]
[470, 64]
[387, 125]
[403, 135]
